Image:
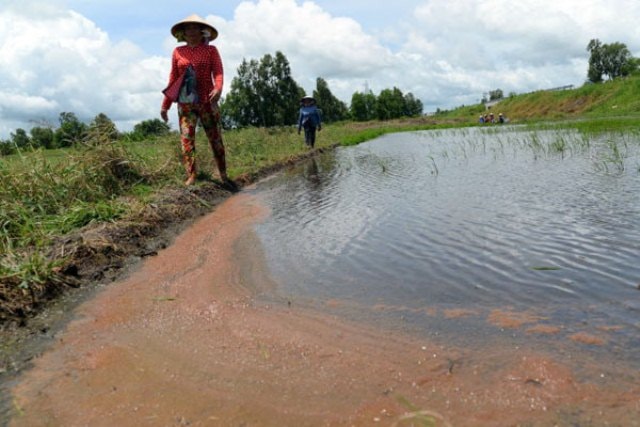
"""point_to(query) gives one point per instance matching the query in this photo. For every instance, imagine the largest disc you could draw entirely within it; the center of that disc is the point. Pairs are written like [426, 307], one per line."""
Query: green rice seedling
[498, 150]
[545, 268]
[535, 143]
[434, 166]
[559, 145]
[616, 157]
[383, 163]
[584, 142]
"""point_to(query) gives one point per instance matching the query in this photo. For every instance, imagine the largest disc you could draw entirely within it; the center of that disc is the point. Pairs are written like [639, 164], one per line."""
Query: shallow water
[530, 232]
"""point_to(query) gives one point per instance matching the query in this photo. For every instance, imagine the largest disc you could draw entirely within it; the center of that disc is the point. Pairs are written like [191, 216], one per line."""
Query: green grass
[607, 101]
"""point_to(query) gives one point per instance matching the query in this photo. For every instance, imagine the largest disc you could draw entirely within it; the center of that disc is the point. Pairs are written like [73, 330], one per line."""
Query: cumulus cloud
[56, 60]
[316, 43]
[515, 46]
[446, 52]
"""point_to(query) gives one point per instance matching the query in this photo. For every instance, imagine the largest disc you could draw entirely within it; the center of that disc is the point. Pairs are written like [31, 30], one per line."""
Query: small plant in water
[559, 145]
[545, 268]
[616, 157]
[612, 155]
[434, 169]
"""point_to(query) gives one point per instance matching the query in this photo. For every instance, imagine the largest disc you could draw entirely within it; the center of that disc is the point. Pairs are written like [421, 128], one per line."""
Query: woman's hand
[164, 115]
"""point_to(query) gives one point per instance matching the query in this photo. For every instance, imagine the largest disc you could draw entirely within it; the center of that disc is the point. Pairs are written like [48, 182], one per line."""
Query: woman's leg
[313, 136]
[188, 119]
[310, 135]
[211, 123]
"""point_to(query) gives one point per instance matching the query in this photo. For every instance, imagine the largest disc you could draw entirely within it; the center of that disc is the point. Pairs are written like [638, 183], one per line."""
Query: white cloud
[57, 60]
[445, 52]
[472, 47]
[316, 43]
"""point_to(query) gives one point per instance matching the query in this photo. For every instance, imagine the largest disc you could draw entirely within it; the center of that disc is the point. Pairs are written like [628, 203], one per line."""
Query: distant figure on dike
[309, 119]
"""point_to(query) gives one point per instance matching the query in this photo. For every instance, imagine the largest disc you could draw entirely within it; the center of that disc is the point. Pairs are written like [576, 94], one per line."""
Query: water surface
[477, 222]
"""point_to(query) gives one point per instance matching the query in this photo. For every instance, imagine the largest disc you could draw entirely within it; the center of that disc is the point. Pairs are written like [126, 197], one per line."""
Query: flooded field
[471, 235]
[459, 278]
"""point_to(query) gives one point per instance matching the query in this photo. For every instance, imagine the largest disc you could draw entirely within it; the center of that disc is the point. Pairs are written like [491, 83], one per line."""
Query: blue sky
[112, 56]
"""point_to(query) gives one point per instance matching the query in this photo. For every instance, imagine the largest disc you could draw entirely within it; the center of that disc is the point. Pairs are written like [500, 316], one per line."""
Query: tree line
[71, 131]
[265, 94]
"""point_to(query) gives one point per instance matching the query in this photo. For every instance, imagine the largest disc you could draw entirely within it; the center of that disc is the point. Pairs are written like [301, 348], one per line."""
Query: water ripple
[462, 218]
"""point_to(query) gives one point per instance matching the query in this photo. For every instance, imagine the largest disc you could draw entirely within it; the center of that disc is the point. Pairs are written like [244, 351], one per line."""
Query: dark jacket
[309, 117]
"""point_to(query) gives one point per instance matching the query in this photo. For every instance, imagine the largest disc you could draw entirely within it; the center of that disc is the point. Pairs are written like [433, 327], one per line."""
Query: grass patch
[603, 103]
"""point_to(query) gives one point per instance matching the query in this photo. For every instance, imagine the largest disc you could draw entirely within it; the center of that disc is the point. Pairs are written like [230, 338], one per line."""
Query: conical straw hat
[176, 30]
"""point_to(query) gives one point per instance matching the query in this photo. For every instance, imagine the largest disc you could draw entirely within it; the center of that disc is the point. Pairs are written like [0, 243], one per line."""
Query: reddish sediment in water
[184, 341]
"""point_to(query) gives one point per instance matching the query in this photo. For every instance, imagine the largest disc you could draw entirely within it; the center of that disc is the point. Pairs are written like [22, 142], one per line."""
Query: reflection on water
[467, 220]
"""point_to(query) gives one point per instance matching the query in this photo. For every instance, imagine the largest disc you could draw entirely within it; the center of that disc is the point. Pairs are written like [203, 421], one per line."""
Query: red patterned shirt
[207, 64]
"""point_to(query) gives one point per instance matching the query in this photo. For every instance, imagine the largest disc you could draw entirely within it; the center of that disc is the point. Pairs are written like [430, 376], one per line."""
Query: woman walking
[309, 119]
[195, 83]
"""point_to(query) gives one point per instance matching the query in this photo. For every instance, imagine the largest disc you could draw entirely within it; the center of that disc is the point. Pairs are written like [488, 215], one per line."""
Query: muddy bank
[95, 256]
[187, 339]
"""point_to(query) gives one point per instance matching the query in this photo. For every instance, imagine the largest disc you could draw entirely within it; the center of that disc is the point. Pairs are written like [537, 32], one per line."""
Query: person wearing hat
[309, 119]
[196, 72]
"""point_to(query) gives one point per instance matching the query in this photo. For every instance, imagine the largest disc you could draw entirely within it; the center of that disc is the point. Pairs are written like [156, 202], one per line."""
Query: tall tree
[238, 107]
[20, 138]
[612, 60]
[333, 109]
[412, 105]
[71, 130]
[390, 104]
[6, 147]
[152, 127]
[496, 94]
[41, 137]
[263, 94]
[102, 129]
[363, 106]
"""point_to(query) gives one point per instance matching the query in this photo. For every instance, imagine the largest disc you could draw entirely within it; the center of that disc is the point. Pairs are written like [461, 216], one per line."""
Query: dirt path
[185, 340]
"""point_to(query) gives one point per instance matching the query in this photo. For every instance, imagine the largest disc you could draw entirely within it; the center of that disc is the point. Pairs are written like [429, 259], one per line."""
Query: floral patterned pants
[209, 116]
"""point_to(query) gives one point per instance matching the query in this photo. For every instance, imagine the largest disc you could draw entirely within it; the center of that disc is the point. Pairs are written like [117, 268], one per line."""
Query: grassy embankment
[46, 195]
